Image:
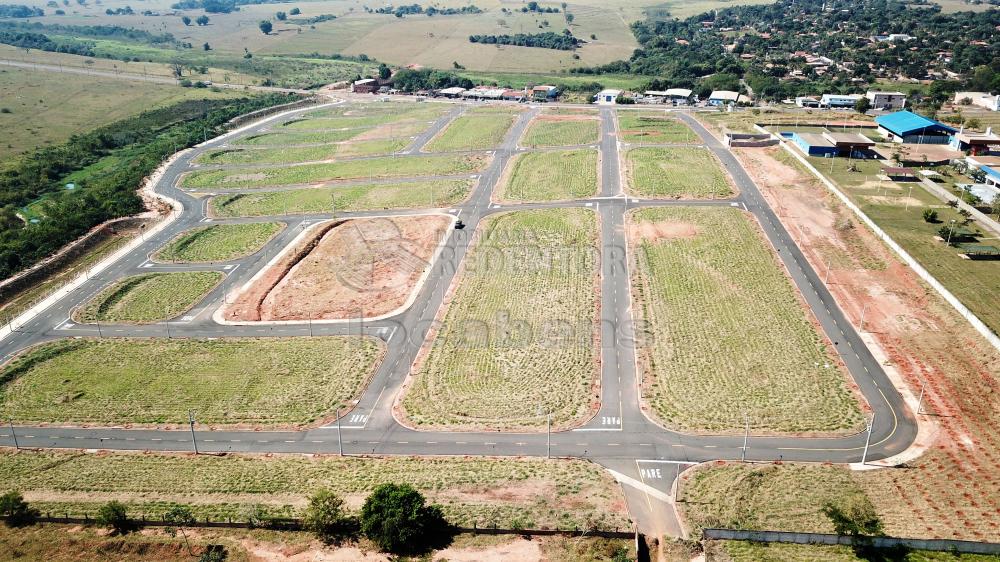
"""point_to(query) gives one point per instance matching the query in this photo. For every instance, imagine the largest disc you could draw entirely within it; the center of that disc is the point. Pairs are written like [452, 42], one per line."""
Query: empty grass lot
[221, 242]
[383, 167]
[293, 155]
[473, 131]
[410, 195]
[115, 381]
[484, 491]
[676, 172]
[738, 551]
[517, 338]
[653, 129]
[290, 139]
[561, 132]
[552, 176]
[728, 333]
[150, 297]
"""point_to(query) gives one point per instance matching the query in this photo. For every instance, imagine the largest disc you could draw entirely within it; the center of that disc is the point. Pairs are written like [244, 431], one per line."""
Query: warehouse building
[911, 128]
[829, 144]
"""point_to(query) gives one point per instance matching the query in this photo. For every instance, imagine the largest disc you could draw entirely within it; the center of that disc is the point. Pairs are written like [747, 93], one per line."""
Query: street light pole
[191, 422]
[340, 437]
[746, 439]
[826, 280]
[868, 440]
[12, 434]
[548, 435]
[863, 311]
[920, 400]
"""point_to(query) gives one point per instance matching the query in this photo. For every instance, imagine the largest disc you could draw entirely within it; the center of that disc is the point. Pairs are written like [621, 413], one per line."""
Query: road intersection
[644, 456]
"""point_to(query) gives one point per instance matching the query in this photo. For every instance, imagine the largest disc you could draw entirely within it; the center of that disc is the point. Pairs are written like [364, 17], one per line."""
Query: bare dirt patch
[346, 269]
[520, 549]
[656, 231]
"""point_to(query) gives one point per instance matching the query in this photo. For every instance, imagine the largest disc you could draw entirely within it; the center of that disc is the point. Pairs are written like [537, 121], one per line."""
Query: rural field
[220, 242]
[293, 155]
[149, 297]
[676, 173]
[345, 269]
[499, 361]
[649, 128]
[537, 492]
[727, 332]
[552, 176]
[289, 382]
[368, 197]
[381, 167]
[564, 130]
[476, 129]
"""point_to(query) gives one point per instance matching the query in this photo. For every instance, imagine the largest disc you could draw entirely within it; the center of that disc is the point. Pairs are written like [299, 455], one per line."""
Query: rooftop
[904, 123]
[848, 139]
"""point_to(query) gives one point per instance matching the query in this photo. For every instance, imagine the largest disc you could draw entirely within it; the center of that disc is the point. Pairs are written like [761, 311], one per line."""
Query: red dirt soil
[346, 269]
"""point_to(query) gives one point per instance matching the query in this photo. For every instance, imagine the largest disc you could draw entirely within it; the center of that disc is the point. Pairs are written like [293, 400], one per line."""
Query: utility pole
[12, 434]
[99, 334]
[920, 401]
[868, 440]
[864, 309]
[548, 435]
[746, 439]
[826, 280]
[310, 324]
[340, 437]
[193, 440]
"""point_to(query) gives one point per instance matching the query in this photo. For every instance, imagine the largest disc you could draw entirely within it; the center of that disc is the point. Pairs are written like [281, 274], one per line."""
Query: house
[453, 92]
[725, 97]
[365, 86]
[806, 101]
[908, 127]
[514, 95]
[544, 93]
[893, 37]
[981, 99]
[838, 101]
[886, 101]
[976, 144]
[607, 97]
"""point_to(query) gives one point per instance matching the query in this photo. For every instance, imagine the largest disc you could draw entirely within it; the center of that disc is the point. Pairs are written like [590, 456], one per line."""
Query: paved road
[645, 456]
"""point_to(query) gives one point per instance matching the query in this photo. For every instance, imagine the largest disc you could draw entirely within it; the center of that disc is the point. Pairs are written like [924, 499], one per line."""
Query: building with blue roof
[912, 128]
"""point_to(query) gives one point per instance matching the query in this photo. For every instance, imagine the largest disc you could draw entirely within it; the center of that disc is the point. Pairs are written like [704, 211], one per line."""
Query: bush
[326, 517]
[854, 516]
[16, 510]
[930, 215]
[395, 518]
[114, 516]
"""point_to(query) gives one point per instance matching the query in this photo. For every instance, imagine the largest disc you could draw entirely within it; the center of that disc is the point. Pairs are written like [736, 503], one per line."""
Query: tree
[206, 46]
[281, 16]
[395, 518]
[177, 69]
[186, 20]
[853, 516]
[862, 105]
[265, 27]
[326, 517]
[569, 17]
[202, 20]
[181, 516]
[384, 72]
[294, 12]
[16, 510]
[114, 516]
[930, 215]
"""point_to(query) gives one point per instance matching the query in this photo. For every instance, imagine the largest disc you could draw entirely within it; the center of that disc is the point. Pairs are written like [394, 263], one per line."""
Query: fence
[940, 545]
[254, 115]
[750, 140]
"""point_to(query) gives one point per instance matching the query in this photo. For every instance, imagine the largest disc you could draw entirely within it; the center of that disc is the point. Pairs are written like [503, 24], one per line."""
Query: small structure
[908, 127]
[453, 92]
[607, 97]
[983, 191]
[679, 96]
[971, 251]
[544, 93]
[813, 144]
[992, 175]
[483, 93]
[838, 101]
[977, 144]
[514, 95]
[807, 101]
[894, 172]
[829, 144]
[980, 99]
[365, 86]
[725, 97]
[886, 101]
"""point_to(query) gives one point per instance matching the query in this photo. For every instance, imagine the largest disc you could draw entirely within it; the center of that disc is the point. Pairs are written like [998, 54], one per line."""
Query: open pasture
[117, 381]
[367, 197]
[518, 335]
[728, 335]
[562, 131]
[676, 172]
[149, 297]
[552, 176]
[220, 242]
[473, 131]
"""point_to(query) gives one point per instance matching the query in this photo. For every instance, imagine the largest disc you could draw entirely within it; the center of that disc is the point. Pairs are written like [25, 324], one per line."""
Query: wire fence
[939, 545]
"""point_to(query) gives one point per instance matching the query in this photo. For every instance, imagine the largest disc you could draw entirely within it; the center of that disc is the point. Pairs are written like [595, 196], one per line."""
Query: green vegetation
[220, 242]
[562, 132]
[150, 297]
[284, 140]
[396, 519]
[647, 128]
[289, 381]
[498, 361]
[739, 551]
[676, 172]
[385, 167]
[553, 493]
[552, 176]
[293, 155]
[326, 516]
[727, 334]
[473, 131]
[410, 195]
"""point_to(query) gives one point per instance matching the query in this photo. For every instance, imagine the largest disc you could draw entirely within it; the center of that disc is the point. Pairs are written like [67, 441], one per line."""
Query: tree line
[96, 31]
[20, 11]
[561, 41]
[410, 9]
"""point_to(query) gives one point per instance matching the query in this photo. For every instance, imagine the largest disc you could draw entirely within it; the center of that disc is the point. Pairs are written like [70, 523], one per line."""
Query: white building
[833, 101]
[886, 101]
[981, 99]
[725, 97]
[607, 97]
[806, 101]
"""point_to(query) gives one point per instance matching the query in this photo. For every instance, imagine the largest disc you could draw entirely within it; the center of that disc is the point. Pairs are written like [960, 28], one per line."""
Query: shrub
[114, 516]
[930, 215]
[16, 510]
[326, 516]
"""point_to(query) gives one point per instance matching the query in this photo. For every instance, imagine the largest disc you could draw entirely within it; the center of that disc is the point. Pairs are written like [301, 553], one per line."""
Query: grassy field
[115, 381]
[561, 132]
[727, 333]
[384, 167]
[220, 242]
[552, 176]
[411, 195]
[293, 155]
[285, 140]
[975, 282]
[483, 491]
[47, 108]
[676, 172]
[473, 131]
[149, 297]
[649, 128]
[735, 551]
[517, 338]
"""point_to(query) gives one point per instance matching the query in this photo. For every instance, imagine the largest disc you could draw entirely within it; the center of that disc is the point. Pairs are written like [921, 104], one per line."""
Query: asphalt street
[645, 456]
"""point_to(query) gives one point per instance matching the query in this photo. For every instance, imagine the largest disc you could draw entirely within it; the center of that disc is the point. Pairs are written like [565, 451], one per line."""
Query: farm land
[724, 320]
[290, 382]
[552, 176]
[951, 491]
[149, 297]
[348, 269]
[220, 242]
[408, 195]
[562, 130]
[477, 129]
[380, 167]
[649, 128]
[675, 172]
[495, 363]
